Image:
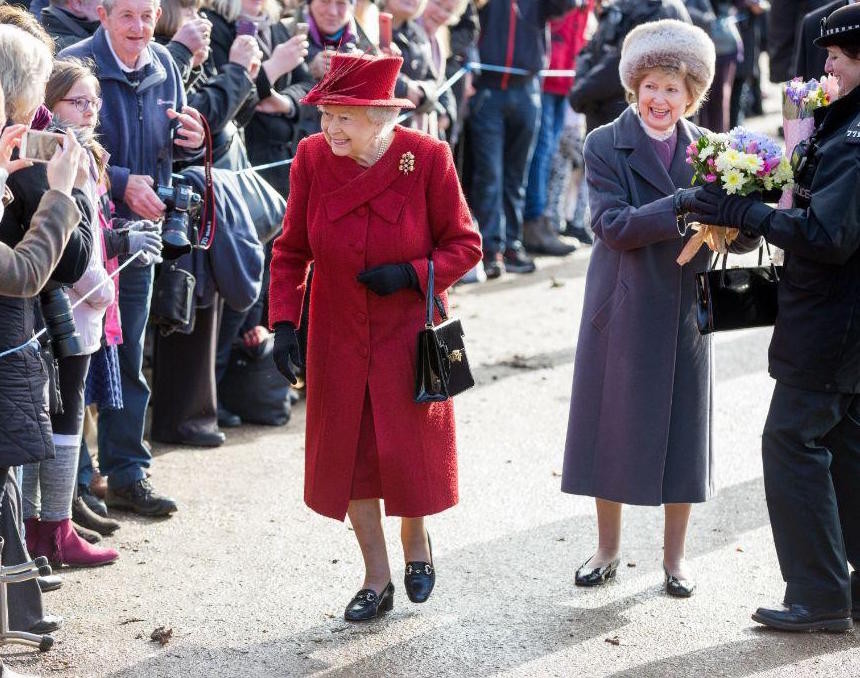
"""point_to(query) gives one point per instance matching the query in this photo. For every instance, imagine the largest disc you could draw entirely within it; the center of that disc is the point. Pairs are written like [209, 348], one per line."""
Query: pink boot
[32, 533]
[67, 548]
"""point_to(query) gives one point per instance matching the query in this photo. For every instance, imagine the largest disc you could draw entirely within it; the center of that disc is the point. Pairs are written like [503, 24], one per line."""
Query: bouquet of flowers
[743, 162]
[799, 101]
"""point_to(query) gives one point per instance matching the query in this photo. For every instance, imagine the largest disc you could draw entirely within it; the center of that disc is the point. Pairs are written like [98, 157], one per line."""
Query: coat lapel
[643, 158]
[383, 187]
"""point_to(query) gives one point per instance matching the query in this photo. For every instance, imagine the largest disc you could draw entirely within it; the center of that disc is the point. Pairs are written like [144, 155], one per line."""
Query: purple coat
[640, 428]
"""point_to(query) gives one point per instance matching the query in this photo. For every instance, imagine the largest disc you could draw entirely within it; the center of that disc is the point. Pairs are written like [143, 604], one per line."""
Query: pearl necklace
[382, 147]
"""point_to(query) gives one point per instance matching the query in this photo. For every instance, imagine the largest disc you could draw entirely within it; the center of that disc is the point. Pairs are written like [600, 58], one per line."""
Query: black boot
[84, 516]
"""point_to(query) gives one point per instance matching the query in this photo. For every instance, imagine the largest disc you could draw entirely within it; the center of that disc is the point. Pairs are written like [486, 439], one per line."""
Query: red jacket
[567, 36]
[347, 219]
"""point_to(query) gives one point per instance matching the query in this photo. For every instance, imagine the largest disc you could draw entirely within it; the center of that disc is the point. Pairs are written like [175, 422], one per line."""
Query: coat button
[362, 351]
[361, 211]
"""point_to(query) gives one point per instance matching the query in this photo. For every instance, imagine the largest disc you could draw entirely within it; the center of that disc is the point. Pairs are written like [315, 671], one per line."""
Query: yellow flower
[733, 181]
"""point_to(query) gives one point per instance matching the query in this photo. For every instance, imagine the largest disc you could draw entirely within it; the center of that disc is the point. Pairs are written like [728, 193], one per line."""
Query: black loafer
[367, 604]
[596, 576]
[50, 582]
[420, 577]
[679, 587]
[796, 617]
[47, 624]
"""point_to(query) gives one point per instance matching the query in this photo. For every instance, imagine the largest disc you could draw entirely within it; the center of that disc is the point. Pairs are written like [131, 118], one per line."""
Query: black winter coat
[25, 424]
[784, 21]
[64, 28]
[597, 91]
[268, 137]
[222, 95]
[816, 341]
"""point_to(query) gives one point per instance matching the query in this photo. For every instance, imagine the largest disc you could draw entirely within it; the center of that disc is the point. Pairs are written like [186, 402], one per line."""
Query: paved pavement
[253, 584]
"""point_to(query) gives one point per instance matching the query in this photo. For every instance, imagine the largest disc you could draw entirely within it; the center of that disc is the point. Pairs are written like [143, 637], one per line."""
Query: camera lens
[60, 323]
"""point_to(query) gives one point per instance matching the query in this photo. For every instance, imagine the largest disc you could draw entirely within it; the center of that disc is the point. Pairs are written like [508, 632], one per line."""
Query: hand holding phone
[40, 146]
[245, 27]
[385, 29]
[302, 28]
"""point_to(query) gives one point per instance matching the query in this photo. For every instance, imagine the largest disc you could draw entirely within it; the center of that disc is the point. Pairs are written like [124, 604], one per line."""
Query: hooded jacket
[133, 125]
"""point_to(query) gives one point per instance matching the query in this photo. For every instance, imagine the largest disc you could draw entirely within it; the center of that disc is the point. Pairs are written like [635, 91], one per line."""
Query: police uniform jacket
[347, 219]
[816, 341]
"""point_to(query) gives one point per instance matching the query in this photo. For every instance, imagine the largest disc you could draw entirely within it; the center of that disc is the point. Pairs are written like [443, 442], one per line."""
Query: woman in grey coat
[640, 415]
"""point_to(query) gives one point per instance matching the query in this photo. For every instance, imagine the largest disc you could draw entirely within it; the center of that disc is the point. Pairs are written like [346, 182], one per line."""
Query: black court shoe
[598, 575]
[367, 604]
[420, 577]
[678, 587]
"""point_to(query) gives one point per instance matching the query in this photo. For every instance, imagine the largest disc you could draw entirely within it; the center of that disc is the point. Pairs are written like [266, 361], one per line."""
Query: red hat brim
[313, 99]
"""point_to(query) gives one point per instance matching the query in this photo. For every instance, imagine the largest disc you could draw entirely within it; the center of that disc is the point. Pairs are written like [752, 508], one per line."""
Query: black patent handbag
[442, 368]
[737, 298]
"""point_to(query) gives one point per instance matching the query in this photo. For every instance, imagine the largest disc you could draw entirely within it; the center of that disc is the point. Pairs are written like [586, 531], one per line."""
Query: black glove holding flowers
[715, 207]
[286, 350]
[390, 278]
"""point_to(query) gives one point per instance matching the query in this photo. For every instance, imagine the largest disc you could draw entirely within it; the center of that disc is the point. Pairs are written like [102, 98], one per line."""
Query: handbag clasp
[456, 356]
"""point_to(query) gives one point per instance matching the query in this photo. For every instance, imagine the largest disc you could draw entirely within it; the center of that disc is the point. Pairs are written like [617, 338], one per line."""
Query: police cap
[840, 28]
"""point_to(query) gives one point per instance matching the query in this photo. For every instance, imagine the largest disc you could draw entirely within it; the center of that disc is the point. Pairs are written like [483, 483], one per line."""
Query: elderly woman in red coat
[370, 203]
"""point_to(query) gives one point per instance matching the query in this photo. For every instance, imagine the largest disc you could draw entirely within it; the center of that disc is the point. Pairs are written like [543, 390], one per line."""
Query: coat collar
[109, 68]
[629, 135]
[382, 186]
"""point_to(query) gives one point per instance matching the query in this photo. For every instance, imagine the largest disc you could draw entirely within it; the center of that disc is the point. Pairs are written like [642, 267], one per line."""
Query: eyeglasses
[82, 104]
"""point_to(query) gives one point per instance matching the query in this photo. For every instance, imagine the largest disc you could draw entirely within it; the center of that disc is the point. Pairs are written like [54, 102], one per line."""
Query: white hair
[25, 66]
[108, 4]
[386, 116]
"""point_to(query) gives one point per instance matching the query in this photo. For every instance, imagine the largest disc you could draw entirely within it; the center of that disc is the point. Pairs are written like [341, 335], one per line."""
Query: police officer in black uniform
[811, 441]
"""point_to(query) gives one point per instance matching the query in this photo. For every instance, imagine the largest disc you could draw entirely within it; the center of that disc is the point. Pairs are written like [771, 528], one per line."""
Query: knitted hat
[669, 44]
[359, 80]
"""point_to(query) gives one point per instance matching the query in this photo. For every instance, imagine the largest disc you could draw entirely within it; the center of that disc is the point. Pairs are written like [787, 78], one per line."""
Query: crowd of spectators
[150, 90]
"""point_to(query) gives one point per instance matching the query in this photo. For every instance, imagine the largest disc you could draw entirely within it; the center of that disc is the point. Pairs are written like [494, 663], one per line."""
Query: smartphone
[40, 146]
[245, 27]
[302, 28]
[385, 29]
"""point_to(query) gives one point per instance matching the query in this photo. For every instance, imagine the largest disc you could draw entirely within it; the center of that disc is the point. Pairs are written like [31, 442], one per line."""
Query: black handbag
[442, 370]
[736, 298]
[173, 300]
[265, 205]
[253, 388]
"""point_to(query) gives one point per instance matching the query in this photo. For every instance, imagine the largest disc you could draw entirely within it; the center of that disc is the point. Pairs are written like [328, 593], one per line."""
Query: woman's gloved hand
[286, 350]
[717, 208]
[685, 200]
[388, 279]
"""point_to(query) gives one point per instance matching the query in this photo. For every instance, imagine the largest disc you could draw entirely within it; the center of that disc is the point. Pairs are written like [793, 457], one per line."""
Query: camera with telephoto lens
[180, 218]
[59, 321]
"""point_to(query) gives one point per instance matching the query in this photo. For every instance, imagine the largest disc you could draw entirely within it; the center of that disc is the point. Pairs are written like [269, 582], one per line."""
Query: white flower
[733, 181]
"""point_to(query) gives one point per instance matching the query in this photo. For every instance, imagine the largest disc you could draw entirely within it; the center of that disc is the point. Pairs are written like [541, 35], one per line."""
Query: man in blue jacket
[143, 130]
[505, 114]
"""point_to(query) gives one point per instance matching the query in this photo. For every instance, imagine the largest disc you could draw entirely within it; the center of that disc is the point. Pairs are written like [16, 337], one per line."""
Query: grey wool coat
[640, 426]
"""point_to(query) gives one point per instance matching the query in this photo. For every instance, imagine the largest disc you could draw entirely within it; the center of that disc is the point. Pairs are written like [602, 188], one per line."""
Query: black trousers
[811, 455]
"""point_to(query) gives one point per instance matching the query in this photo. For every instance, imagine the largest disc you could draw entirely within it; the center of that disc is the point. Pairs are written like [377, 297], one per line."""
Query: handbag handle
[433, 298]
[761, 249]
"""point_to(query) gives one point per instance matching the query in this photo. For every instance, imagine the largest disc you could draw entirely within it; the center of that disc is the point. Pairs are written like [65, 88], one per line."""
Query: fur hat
[669, 44]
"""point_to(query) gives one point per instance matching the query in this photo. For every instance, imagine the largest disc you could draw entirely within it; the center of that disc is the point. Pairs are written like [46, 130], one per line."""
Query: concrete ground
[252, 584]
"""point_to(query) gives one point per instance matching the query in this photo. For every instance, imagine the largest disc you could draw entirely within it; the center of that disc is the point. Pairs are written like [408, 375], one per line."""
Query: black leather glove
[388, 279]
[718, 208]
[286, 350]
[685, 200]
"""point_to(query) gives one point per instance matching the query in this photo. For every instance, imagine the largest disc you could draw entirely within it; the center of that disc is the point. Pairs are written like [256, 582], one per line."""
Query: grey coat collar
[629, 135]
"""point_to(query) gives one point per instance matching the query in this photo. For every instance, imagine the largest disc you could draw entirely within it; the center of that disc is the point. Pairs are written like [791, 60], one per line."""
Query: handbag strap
[765, 245]
[432, 298]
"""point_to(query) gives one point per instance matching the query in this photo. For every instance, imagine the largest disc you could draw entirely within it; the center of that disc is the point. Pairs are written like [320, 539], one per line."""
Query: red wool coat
[347, 219]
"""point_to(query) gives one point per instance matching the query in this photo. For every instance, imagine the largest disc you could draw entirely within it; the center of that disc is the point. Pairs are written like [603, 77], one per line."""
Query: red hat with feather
[359, 80]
